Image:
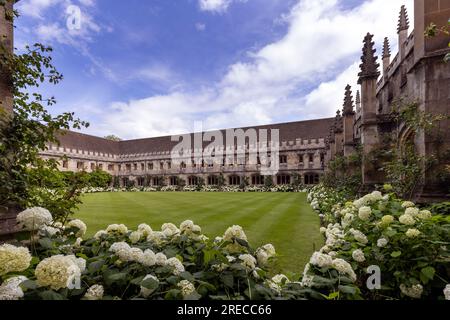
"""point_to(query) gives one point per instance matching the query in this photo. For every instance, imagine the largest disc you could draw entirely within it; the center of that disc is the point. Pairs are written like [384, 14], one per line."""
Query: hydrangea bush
[176, 262]
[409, 245]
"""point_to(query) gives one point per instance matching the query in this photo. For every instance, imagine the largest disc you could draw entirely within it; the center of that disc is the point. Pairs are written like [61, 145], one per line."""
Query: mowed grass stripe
[283, 219]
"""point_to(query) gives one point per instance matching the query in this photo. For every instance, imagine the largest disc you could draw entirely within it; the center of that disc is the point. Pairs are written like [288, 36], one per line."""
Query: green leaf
[46, 243]
[396, 254]
[347, 289]
[150, 283]
[29, 284]
[193, 296]
[51, 295]
[228, 280]
[427, 274]
[96, 266]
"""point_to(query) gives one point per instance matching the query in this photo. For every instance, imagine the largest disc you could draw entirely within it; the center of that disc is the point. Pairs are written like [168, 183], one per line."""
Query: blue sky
[147, 68]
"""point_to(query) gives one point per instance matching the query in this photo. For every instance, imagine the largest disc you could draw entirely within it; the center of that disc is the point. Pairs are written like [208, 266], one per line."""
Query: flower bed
[409, 246]
[280, 188]
[117, 263]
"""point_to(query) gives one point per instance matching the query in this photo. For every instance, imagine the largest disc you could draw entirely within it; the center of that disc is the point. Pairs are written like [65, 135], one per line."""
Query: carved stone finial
[358, 97]
[369, 65]
[338, 126]
[386, 48]
[403, 21]
[348, 102]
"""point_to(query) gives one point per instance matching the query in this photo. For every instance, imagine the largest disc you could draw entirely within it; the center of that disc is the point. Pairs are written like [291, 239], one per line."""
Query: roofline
[247, 127]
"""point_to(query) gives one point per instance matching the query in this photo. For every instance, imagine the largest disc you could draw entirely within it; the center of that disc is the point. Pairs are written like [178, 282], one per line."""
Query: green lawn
[283, 219]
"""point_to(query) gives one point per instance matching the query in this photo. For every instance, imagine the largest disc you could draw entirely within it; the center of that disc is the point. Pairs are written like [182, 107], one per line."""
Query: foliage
[113, 138]
[120, 261]
[344, 173]
[397, 157]
[432, 31]
[442, 208]
[409, 246]
[24, 134]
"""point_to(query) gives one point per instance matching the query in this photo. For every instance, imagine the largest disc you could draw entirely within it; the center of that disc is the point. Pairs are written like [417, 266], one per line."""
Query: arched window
[213, 180]
[257, 180]
[192, 181]
[283, 179]
[234, 180]
[312, 178]
[173, 181]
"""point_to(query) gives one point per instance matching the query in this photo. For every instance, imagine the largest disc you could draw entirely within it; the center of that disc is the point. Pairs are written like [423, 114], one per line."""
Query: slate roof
[306, 130]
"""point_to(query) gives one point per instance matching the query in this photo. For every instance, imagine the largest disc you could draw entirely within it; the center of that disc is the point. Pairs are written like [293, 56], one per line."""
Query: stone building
[148, 162]
[417, 74]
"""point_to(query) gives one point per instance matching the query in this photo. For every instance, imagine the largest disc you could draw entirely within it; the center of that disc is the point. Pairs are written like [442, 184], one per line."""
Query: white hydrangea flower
[248, 261]
[323, 230]
[135, 236]
[80, 225]
[344, 267]
[234, 232]
[13, 259]
[145, 229]
[80, 262]
[407, 219]
[135, 255]
[99, 234]
[387, 220]
[149, 258]
[231, 259]
[424, 215]
[57, 272]
[359, 236]
[51, 231]
[186, 287]
[176, 265]
[11, 290]
[169, 230]
[157, 237]
[382, 242]
[320, 260]
[187, 226]
[117, 229]
[307, 279]
[364, 213]
[412, 211]
[412, 233]
[358, 255]
[95, 292]
[447, 292]
[277, 282]
[160, 259]
[414, 291]
[145, 292]
[119, 246]
[34, 218]
[376, 196]
[264, 253]
[78, 242]
[408, 204]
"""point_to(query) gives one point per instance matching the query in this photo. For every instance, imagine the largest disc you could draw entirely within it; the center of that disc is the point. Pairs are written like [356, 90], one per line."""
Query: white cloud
[35, 8]
[216, 6]
[200, 26]
[300, 76]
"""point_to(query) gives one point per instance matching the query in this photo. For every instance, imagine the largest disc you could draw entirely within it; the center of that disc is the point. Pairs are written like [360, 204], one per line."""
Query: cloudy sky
[147, 68]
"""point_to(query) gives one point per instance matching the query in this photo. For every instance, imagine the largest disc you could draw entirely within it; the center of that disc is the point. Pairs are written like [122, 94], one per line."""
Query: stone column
[6, 39]
[369, 129]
